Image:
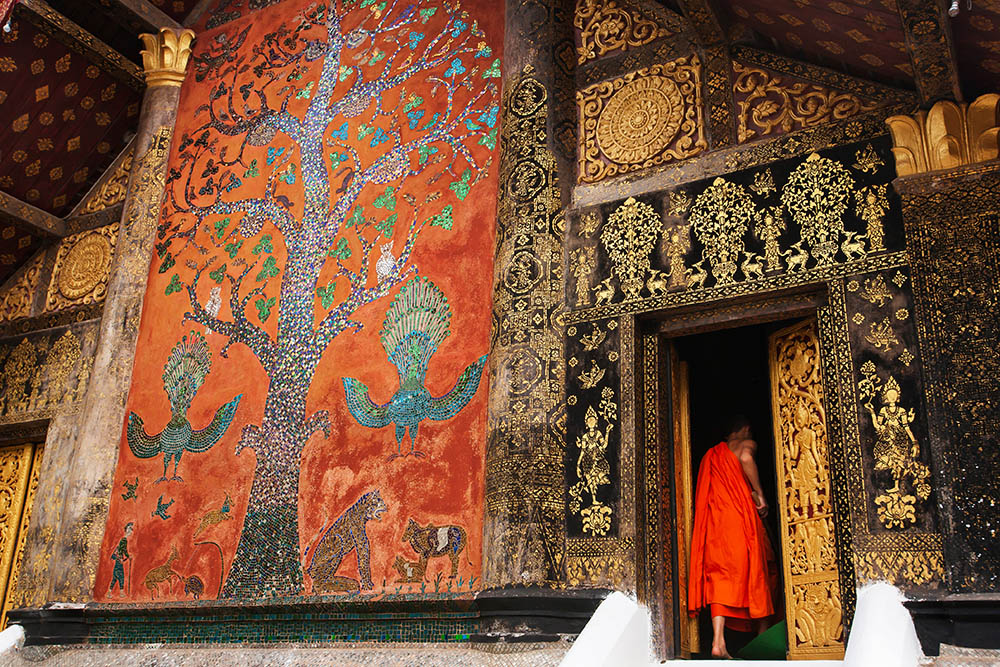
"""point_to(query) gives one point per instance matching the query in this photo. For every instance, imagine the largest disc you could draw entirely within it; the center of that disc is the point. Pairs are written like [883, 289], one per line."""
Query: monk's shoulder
[747, 446]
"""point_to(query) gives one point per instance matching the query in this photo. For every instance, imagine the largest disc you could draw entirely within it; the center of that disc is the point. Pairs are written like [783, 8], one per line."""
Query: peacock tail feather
[185, 370]
[415, 324]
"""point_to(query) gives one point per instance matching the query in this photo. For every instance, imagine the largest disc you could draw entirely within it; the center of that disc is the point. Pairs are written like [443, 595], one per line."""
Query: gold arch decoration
[946, 136]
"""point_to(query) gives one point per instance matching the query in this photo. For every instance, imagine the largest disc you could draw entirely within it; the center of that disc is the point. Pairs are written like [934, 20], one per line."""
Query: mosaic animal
[853, 246]
[697, 274]
[348, 533]
[604, 292]
[183, 374]
[409, 571]
[386, 262]
[432, 541]
[415, 325]
[214, 516]
[657, 283]
[797, 260]
[194, 586]
[162, 573]
[130, 488]
[161, 508]
[752, 267]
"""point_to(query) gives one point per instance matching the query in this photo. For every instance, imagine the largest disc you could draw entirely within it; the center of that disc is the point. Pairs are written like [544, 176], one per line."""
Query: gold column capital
[947, 135]
[166, 56]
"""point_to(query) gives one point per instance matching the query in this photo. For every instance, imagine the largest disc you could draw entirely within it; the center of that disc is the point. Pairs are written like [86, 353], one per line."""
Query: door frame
[656, 552]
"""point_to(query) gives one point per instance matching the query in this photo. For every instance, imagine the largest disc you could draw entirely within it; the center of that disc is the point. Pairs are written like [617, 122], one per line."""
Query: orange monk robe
[732, 566]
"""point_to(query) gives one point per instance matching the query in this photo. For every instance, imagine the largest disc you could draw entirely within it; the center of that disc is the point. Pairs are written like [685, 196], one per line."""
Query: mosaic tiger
[345, 535]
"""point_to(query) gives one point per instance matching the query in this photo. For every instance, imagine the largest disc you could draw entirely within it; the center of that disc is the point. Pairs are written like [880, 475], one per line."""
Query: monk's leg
[719, 638]
[760, 625]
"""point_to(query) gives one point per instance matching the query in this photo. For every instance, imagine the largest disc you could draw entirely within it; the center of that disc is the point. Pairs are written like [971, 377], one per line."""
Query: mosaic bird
[415, 325]
[183, 374]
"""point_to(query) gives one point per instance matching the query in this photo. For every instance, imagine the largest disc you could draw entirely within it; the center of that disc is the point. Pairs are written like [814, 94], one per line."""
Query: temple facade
[575, 238]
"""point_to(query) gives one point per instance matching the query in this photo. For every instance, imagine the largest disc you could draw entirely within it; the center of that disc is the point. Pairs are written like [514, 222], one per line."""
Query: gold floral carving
[629, 235]
[593, 471]
[166, 56]
[816, 195]
[82, 267]
[15, 469]
[896, 450]
[720, 217]
[766, 104]
[640, 120]
[606, 27]
[812, 589]
[946, 136]
[15, 301]
[110, 191]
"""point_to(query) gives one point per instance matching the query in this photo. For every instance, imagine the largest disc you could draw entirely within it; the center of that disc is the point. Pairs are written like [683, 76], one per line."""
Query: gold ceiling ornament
[606, 27]
[15, 301]
[166, 56]
[816, 195]
[720, 218]
[771, 105]
[110, 191]
[82, 268]
[640, 120]
[946, 136]
[629, 235]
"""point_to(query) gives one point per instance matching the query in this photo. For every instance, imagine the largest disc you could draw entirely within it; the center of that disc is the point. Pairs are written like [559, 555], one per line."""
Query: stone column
[524, 527]
[87, 489]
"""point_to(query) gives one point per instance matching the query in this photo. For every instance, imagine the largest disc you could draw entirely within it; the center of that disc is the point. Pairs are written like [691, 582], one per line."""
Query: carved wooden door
[812, 579]
[18, 480]
[683, 498]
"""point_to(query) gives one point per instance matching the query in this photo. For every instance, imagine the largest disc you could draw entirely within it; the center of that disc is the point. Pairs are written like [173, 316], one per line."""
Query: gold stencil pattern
[720, 217]
[816, 196]
[812, 588]
[82, 268]
[767, 104]
[605, 27]
[629, 236]
[640, 120]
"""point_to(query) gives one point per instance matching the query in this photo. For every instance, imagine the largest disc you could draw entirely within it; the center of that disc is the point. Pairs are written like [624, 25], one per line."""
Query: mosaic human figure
[120, 556]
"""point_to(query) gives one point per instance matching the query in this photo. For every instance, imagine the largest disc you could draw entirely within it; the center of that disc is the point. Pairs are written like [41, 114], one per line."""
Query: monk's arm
[750, 470]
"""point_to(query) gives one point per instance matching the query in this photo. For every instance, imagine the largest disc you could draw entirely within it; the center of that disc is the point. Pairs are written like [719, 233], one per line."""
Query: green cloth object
[772, 644]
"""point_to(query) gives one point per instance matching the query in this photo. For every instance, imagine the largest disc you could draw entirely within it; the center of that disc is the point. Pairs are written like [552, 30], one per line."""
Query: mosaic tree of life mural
[319, 156]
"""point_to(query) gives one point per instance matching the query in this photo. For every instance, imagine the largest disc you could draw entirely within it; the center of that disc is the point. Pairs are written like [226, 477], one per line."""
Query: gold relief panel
[44, 374]
[111, 190]
[15, 301]
[604, 26]
[82, 268]
[15, 470]
[768, 104]
[900, 566]
[643, 119]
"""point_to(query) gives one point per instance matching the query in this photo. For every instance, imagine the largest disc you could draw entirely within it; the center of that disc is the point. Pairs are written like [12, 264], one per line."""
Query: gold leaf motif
[816, 196]
[906, 357]
[589, 379]
[82, 268]
[592, 340]
[763, 183]
[593, 472]
[868, 160]
[871, 206]
[876, 291]
[770, 105]
[720, 217]
[15, 301]
[881, 335]
[606, 27]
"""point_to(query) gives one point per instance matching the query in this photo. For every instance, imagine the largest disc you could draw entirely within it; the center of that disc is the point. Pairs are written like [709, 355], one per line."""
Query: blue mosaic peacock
[415, 325]
[183, 374]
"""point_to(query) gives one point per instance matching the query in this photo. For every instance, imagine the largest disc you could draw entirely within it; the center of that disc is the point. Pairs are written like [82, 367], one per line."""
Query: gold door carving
[15, 472]
[812, 578]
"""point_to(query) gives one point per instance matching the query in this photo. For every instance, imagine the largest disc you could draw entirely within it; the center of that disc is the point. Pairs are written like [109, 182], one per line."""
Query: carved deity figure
[677, 243]
[807, 475]
[871, 205]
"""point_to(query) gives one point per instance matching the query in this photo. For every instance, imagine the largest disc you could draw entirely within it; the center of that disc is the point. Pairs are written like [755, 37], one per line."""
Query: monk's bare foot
[719, 651]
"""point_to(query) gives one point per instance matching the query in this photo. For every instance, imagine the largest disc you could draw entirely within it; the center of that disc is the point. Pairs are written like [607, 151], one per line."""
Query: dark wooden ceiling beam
[145, 13]
[197, 11]
[46, 224]
[718, 85]
[932, 50]
[76, 38]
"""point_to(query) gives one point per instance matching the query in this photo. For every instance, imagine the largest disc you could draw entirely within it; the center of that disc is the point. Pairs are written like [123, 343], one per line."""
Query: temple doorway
[770, 374]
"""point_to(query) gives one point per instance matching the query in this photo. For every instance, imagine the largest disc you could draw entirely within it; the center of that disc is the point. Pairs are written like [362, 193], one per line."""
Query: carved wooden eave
[57, 26]
[142, 12]
[110, 188]
[45, 223]
[948, 135]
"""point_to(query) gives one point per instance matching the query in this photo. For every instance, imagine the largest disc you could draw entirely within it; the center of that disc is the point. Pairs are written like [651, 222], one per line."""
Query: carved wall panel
[16, 299]
[82, 267]
[643, 119]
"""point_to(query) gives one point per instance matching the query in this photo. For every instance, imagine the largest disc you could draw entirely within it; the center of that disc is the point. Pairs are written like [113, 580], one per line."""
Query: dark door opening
[728, 374]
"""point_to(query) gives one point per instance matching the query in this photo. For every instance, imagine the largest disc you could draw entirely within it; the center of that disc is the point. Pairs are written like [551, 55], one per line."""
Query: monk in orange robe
[732, 569]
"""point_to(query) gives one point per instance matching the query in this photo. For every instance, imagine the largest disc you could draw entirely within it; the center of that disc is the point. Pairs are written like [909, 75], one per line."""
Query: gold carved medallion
[640, 120]
[82, 268]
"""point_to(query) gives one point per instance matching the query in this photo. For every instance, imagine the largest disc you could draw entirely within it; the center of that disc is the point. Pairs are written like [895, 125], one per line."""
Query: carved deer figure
[797, 260]
[657, 283]
[853, 246]
[752, 267]
[162, 573]
[604, 292]
[697, 274]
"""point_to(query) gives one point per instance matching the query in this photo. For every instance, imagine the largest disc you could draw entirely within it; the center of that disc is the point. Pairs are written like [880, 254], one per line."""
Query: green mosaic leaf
[326, 294]
[167, 262]
[425, 152]
[174, 285]
[356, 218]
[269, 269]
[493, 72]
[341, 251]
[364, 131]
[377, 56]
[218, 274]
[264, 307]
[426, 14]
[220, 227]
[252, 171]
[461, 188]
[386, 226]
[305, 92]
[263, 245]
[413, 102]
[386, 200]
[443, 219]
[489, 140]
[233, 248]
